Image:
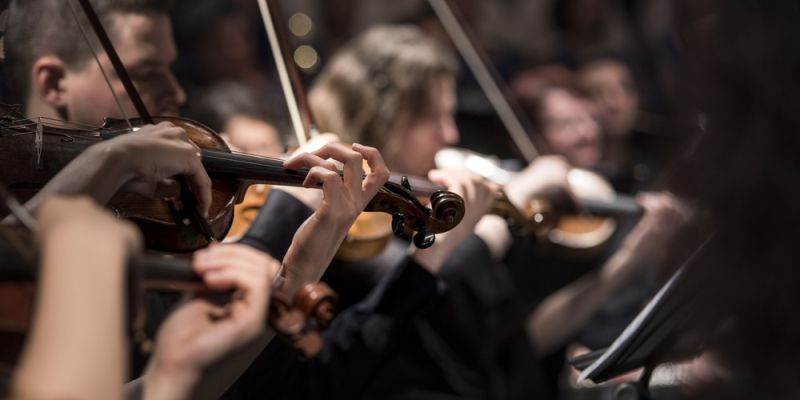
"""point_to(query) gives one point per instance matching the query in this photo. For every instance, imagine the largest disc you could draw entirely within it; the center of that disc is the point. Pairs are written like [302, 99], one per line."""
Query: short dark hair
[39, 27]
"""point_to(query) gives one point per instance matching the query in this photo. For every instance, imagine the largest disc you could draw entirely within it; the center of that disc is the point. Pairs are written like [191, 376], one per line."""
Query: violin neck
[252, 168]
[621, 206]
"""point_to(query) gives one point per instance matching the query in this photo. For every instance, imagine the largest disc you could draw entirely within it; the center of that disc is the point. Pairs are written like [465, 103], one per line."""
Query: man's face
[145, 46]
[611, 88]
[570, 129]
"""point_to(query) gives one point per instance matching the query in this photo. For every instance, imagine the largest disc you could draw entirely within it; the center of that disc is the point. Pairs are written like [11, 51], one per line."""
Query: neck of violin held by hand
[251, 168]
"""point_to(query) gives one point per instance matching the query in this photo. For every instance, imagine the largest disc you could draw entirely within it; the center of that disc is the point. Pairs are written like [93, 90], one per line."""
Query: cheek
[559, 142]
[90, 104]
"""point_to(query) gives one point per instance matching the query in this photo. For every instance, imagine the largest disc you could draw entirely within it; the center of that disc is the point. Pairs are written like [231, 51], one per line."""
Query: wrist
[493, 230]
[116, 161]
[168, 383]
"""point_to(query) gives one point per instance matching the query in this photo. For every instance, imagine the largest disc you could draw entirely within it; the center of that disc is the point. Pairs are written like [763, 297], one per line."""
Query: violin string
[97, 60]
[52, 122]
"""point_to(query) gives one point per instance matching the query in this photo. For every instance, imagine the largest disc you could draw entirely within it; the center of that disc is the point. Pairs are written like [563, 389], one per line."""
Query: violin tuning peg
[423, 240]
[310, 344]
[405, 183]
[398, 224]
[291, 323]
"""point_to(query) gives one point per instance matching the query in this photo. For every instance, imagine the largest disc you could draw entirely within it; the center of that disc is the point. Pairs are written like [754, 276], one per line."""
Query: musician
[634, 149]
[56, 82]
[394, 88]
[85, 254]
[54, 76]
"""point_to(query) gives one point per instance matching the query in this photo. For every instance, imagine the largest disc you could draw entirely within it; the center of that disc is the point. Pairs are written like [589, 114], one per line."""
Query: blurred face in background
[570, 129]
[253, 136]
[416, 148]
[611, 88]
[145, 45]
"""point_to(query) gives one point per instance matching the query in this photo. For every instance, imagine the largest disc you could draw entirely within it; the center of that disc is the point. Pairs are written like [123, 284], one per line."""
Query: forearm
[311, 252]
[565, 312]
[73, 315]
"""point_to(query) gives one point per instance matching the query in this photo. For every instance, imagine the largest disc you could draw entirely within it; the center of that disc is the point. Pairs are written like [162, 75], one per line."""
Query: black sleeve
[473, 267]
[276, 223]
[358, 344]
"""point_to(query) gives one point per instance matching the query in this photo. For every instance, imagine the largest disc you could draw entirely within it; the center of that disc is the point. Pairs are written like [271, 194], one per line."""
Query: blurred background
[626, 50]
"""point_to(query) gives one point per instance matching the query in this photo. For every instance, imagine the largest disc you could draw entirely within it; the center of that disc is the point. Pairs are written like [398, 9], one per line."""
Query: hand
[312, 198]
[156, 153]
[647, 244]
[343, 197]
[478, 195]
[200, 333]
[318, 239]
[545, 175]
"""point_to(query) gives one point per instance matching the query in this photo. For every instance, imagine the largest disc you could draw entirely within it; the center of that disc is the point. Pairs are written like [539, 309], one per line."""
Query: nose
[450, 135]
[174, 96]
[588, 128]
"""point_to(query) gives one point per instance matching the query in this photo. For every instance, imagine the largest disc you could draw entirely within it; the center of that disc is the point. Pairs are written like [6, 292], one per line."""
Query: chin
[586, 161]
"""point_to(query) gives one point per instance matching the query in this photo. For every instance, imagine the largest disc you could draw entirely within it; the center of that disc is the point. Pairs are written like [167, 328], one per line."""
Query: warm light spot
[300, 24]
[306, 57]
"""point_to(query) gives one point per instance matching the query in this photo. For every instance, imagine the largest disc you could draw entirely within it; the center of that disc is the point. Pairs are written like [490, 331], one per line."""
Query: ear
[48, 75]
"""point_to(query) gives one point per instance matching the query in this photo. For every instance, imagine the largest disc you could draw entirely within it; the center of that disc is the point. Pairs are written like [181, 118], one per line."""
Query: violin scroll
[301, 320]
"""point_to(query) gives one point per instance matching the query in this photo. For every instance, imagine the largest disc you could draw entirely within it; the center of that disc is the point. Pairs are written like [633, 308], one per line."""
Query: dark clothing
[392, 345]
[470, 344]
[358, 343]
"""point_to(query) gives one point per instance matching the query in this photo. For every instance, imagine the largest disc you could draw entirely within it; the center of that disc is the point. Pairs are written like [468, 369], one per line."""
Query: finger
[143, 187]
[234, 251]
[226, 256]
[379, 173]
[252, 291]
[309, 160]
[199, 183]
[236, 279]
[166, 188]
[352, 160]
[169, 132]
[439, 177]
[330, 181]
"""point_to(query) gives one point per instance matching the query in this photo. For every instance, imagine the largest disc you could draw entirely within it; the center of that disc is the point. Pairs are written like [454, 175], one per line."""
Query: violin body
[156, 218]
[246, 212]
[30, 162]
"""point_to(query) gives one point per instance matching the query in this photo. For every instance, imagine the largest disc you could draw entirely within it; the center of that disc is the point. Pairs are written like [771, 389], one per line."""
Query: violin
[576, 228]
[34, 151]
[298, 320]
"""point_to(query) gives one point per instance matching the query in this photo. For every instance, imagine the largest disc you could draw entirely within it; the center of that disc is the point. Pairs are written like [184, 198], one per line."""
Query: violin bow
[188, 215]
[300, 112]
[487, 77]
[18, 210]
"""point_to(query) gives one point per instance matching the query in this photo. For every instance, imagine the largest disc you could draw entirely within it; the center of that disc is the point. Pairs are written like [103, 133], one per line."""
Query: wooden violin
[298, 320]
[576, 228]
[34, 151]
